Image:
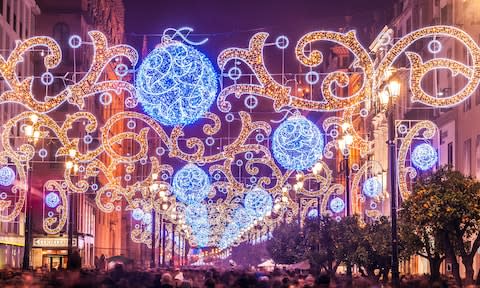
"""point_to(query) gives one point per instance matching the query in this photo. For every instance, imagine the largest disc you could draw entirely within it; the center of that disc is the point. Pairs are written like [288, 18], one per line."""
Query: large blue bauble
[297, 143]
[258, 202]
[191, 184]
[242, 217]
[424, 156]
[176, 84]
[372, 187]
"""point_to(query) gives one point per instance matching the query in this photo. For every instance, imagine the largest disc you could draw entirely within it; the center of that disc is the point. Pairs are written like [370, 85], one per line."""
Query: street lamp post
[388, 97]
[72, 166]
[33, 134]
[344, 145]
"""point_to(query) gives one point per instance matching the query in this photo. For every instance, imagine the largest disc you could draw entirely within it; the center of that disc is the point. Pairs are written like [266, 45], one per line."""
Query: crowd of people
[189, 278]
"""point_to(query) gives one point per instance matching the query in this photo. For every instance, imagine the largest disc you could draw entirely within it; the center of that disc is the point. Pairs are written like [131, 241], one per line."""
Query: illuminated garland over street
[239, 178]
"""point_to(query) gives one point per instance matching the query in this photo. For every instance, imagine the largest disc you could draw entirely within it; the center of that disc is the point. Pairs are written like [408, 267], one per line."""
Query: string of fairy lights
[258, 174]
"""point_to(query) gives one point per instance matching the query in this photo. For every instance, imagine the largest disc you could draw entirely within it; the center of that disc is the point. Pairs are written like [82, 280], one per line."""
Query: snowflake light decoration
[137, 214]
[297, 143]
[176, 84]
[191, 184]
[424, 156]
[258, 202]
[372, 187]
[313, 213]
[7, 176]
[52, 200]
[196, 215]
[337, 205]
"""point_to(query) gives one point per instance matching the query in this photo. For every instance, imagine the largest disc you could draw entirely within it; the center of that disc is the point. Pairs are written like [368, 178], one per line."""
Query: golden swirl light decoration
[133, 153]
[61, 210]
[422, 130]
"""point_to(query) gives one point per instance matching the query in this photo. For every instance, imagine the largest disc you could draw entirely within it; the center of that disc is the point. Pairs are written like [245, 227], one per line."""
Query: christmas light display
[337, 205]
[372, 187]
[297, 143]
[313, 213]
[424, 156]
[258, 202]
[176, 84]
[7, 176]
[137, 214]
[52, 200]
[191, 184]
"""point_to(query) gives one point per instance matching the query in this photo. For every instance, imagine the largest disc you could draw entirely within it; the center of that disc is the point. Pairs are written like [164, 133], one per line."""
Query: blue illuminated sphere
[196, 215]
[372, 187]
[297, 143]
[337, 205]
[137, 214]
[258, 202]
[52, 200]
[424, 156]
[191, 184]
[7, 176]
[176, 84]
[242, 217]
[313, 213]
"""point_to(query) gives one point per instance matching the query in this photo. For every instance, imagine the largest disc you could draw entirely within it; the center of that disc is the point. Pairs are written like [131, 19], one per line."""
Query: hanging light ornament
[424, 156]
[297, 143]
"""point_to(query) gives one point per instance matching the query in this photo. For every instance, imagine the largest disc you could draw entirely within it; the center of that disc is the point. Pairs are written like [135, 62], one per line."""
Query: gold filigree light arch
[134, 153]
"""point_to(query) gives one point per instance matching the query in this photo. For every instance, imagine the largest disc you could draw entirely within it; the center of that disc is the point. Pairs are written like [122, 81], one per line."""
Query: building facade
[17, 21]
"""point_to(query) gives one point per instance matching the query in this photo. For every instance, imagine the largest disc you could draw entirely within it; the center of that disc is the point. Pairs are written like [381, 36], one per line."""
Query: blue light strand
[424, 156]
[297, 143]
[176, 84]
[191, 184]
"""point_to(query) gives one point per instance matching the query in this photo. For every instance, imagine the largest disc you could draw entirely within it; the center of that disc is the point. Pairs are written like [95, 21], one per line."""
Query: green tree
[287, 245]
[448, 203]
[419, 238]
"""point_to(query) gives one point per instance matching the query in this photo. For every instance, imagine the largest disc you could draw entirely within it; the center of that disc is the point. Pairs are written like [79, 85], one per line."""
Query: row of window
[468, 160]
[16, 25]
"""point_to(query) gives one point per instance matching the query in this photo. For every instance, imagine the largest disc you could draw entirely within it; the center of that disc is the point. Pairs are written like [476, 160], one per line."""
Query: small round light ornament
[337, 205]
[196, 215]
[176, 84]
[52, 200]
[372, 187]
[191, 184]
[147, 218]
[258, 202]
[137, 214]
[297, 143]
[313, 213]
[7, 176]
[424, 156]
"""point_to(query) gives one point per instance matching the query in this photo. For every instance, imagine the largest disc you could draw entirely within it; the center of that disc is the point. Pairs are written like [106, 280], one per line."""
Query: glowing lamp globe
[7, 176]
[137, 214]
[337, 205]
[191, 184]
[176, 84]
[424, 156]
[52, 200]
[297, 143]
[258, 202]
[372, 187]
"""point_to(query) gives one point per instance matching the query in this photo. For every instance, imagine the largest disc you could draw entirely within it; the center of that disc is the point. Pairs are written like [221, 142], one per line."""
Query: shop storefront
[52, 252]
[11, 251]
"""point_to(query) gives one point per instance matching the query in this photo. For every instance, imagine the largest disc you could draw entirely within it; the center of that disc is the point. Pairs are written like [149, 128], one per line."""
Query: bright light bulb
[284, 189]
[164, 206]
[345, 126]
[75, 167]
[29, 130]
[34, 118]
[394, 88]
[384, 97]
[284, 199]
[36, 135]
[69, 164]
[348, 139]
[162, 193]
[154, 176]
[72, 153]
[299, 176]
[154, 187]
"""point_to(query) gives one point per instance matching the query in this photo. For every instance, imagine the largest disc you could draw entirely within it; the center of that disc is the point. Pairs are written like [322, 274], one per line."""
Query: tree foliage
[287, 246]
[445, 211]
